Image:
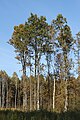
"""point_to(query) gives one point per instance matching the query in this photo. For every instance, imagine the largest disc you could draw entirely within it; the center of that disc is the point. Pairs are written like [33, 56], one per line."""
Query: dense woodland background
[50, 59]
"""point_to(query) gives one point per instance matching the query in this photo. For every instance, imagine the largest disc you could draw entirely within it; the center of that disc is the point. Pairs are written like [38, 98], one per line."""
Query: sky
[15, 12]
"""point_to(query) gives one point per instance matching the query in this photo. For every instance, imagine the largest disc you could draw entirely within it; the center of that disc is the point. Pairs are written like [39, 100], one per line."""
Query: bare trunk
[66, 91]
[35, 84]
[16, 95]
[54, 95]
[66, 96]
[38, 89]
[7, 97]
[24, 93]
[24, 77]
[34, 96]
[30, 91]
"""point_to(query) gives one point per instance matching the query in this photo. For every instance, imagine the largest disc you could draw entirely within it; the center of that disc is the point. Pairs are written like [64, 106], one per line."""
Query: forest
[50, 58]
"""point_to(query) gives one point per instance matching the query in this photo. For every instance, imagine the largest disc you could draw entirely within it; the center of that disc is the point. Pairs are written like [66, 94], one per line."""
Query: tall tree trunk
[66, 96]
[34, 95]
[7, 97]
[48, 57]
[24, 77]
[30, 90]
[38, 89]
[19, 101]
[54, 93]
[35, 89]
[16, 95]
[66, 75]
[24, 63]
[24, 95]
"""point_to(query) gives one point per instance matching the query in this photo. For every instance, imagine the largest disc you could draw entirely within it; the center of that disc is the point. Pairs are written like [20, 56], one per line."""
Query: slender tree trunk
[38, 89]
[54, 89]
[35, 56]
[35, 89]
[24, 64]
[24, 77]
[19, 101]
[24, 95]
[48, 57]
[34, 96]
[7, 97]
[16, 96]
[66, 91]
[66, 97]
[30, 91]
[41, 97]
[54, 94]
